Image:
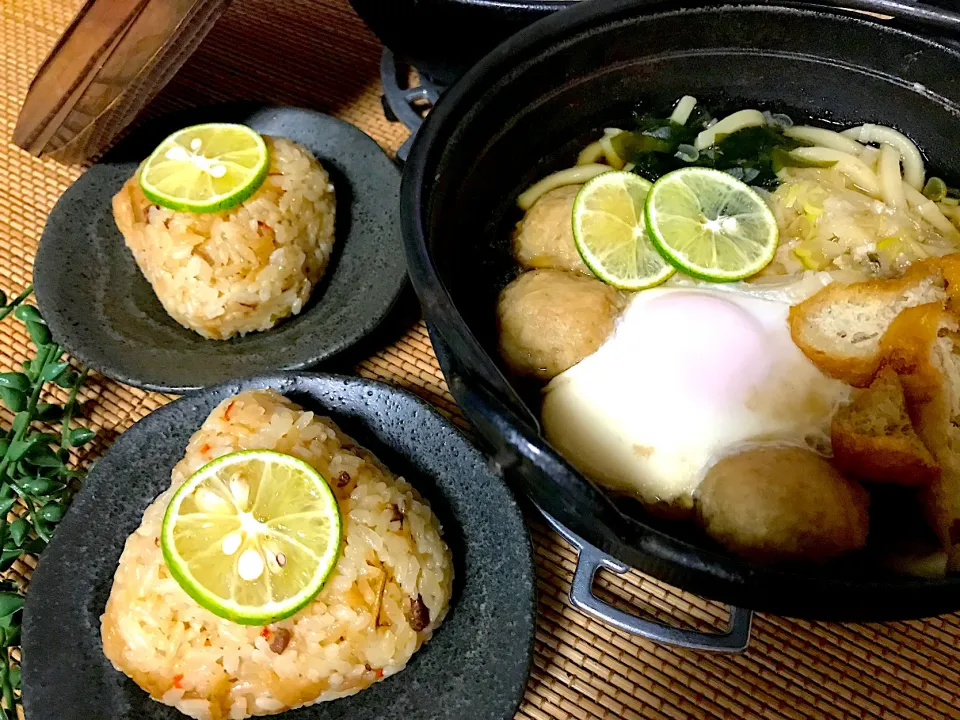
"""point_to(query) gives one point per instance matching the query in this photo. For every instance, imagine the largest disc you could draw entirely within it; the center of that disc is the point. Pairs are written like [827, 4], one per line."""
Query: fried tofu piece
[950, 266]
[923, 347]
[909, 346]
[839, 329]
[874, 439]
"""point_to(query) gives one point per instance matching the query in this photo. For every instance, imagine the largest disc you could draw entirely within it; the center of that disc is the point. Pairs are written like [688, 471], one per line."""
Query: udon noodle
[856, 202]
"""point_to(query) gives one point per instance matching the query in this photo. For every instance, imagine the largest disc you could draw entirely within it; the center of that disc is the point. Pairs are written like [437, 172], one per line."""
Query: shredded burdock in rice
[389, 592]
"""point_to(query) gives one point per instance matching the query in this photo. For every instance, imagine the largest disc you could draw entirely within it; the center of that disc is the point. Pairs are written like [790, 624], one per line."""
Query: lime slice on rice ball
[252, 536]
[206, 168]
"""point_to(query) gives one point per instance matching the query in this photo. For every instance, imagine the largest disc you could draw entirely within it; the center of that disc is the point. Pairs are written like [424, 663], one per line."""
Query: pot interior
[536, 119]
[526, 111]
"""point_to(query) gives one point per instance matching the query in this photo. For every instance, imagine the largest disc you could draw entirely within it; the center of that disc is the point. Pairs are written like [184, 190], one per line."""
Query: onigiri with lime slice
[389, 591]
[244, 268]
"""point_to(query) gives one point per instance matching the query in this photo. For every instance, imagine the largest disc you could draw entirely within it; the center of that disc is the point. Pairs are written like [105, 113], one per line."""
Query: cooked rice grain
[243, 269]
[347, 638]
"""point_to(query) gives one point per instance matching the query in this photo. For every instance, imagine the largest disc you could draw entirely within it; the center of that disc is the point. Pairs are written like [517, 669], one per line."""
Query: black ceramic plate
[101, 308]
[475, 666]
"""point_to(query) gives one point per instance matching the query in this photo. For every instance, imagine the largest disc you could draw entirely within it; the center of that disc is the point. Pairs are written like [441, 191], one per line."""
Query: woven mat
[582, 669]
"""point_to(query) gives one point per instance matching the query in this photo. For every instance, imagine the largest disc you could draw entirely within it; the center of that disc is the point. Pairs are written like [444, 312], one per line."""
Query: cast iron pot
[443, 38]
[523, 112]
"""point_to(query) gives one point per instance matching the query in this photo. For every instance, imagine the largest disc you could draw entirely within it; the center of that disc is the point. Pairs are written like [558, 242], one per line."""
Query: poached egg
[689, 375]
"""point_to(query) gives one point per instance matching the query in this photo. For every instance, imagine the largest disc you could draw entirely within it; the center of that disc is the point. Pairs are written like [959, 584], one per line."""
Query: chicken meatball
[544, 238]
[780, 503]
[549, 320]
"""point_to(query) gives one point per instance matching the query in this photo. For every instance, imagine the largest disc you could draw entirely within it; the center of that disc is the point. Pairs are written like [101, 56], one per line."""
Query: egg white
[689, 374]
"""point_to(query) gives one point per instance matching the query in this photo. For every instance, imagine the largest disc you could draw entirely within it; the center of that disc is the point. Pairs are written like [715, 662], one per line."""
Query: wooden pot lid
[112, 60]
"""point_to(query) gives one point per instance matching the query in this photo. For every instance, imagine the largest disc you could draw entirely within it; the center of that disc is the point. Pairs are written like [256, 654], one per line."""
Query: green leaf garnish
[33, 471]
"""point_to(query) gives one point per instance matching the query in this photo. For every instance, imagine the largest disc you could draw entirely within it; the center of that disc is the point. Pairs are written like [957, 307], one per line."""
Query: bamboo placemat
[317, 53]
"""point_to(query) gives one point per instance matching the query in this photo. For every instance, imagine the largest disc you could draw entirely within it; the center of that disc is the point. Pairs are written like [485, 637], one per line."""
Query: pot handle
[590, 560]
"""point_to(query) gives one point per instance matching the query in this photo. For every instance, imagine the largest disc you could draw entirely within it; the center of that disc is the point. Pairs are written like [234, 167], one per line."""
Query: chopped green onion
[935, 189]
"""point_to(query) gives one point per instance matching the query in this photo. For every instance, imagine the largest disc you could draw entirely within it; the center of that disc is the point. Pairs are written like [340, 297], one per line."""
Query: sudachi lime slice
[206, 168]
[610, 234]
[710, 225]
[252, 536]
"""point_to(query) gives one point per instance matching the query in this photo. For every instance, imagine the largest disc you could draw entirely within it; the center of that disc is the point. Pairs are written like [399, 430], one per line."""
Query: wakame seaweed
[652, 147]
[753, 155]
